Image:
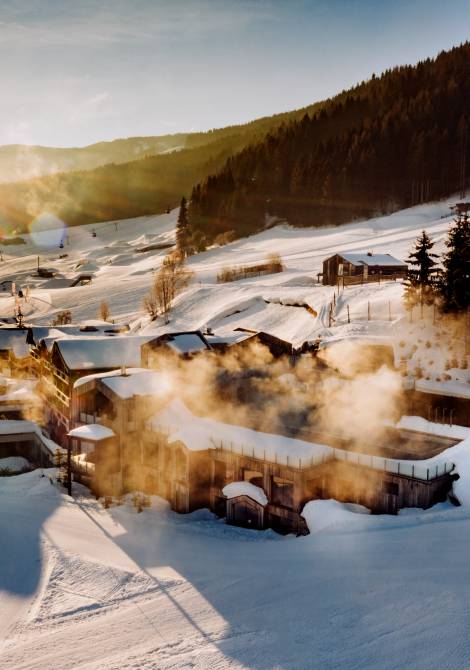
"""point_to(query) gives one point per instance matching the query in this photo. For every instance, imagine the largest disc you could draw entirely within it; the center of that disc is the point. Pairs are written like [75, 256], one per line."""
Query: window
[254, 477]
[220, 473]
[390, 487]
[282, 492]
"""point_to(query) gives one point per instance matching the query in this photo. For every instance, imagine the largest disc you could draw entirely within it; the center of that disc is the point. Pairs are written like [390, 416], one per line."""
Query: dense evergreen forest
[125, 189]
[391, 142]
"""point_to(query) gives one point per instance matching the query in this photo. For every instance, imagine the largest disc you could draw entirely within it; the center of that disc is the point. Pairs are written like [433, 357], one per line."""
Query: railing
[398, 467]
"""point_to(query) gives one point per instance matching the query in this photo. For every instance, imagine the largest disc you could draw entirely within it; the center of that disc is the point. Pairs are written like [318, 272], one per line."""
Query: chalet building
[121, 402]
[242, 338]
[190, 461]
[356, 268]
[75, 357]
[183, 344]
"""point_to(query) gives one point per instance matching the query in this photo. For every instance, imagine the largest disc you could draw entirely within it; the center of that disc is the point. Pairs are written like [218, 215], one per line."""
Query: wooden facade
[341, 268]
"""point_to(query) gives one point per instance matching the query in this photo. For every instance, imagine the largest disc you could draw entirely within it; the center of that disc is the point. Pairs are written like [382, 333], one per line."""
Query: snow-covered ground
[84, 587]
[275, 303]
[122, 276]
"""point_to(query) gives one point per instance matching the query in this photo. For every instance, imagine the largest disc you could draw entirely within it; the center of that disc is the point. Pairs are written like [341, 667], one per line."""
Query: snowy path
[116, 589]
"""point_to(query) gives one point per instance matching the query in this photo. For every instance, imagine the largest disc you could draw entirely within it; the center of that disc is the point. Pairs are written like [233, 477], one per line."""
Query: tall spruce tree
[182, 229]
[419, 285]
[455, 284]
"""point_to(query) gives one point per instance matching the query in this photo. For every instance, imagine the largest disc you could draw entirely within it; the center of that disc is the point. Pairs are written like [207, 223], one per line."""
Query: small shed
[245, 504]
[356, 268]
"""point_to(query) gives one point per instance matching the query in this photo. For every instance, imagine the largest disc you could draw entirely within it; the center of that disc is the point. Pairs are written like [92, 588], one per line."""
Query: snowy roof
[14, 339]
[448, 388]
[365, 258]
[236, 489]
[87, 329]
[16, 427]
[199, 434]
[91, 353]
[183, 343]
[231, 338]
[135, 381]
[91, 431]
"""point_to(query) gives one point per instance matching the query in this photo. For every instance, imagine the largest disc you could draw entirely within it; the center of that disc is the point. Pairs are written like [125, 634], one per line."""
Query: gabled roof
[135, 381]
[101, 353]
[87, 329]
[189, 342]
[370, 259]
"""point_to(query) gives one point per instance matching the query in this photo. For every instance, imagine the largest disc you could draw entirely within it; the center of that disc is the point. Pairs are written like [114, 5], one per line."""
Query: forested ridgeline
[391, 142]
[123, 189]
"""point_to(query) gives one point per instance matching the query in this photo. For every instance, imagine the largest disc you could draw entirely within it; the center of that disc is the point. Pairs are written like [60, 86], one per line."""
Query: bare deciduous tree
[104, 310]
[171, 278]
[63, 318]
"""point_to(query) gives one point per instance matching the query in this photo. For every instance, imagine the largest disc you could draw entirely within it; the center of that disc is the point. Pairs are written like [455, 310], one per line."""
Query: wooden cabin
[76, 357]
[356, 268]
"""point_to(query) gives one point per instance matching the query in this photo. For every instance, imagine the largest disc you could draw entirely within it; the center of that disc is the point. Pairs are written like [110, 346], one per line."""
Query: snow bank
[14, 463]
[323, 514]
[236, 489]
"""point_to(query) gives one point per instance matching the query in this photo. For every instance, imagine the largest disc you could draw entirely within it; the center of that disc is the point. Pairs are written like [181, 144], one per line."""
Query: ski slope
[87, 588]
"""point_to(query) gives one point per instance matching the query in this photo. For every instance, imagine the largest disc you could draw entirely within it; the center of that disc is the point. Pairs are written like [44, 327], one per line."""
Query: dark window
[282, 492]
[220, 473]
[390, 488]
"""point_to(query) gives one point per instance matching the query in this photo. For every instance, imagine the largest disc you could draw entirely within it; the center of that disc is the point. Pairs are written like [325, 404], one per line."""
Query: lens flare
[47, 231]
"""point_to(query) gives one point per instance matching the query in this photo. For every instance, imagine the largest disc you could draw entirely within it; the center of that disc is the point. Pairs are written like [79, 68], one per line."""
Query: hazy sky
[80, 71]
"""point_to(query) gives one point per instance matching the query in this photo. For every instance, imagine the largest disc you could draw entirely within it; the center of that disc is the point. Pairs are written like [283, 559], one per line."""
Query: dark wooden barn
[355, 268]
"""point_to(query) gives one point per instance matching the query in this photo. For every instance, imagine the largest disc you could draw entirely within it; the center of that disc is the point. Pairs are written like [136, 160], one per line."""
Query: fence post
[427, 474]
[349, 320]
[368, 310]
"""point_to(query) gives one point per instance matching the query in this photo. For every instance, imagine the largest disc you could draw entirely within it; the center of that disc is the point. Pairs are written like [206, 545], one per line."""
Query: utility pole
[69, 468]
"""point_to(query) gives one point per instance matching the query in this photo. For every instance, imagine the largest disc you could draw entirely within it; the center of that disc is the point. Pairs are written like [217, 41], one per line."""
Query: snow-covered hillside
[122, 275]
[274, 303]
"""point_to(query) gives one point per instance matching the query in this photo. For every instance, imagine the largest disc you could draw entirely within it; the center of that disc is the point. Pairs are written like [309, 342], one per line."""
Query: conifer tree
[455, 284]
[182, 230]
[419, 286]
